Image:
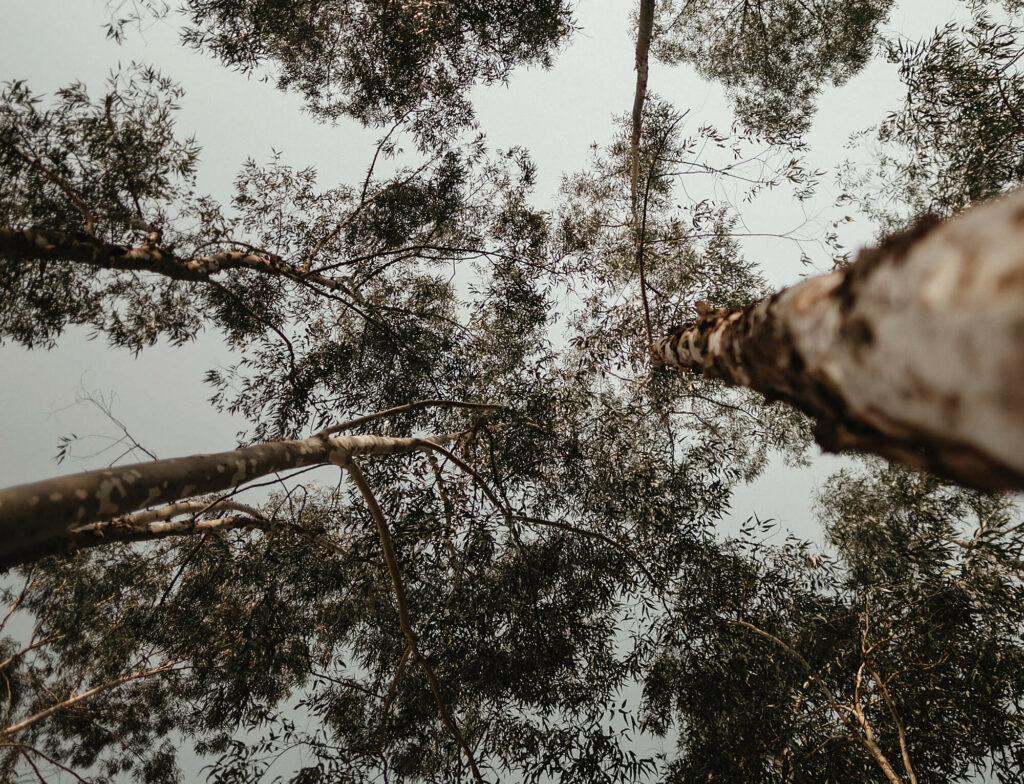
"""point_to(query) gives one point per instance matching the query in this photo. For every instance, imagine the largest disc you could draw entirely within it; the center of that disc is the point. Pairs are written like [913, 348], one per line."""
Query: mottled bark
[145, 526]
[47, 515]
[41, 245]
[914, 352]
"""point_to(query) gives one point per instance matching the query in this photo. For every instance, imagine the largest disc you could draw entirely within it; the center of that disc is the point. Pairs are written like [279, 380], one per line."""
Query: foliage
[379, 61]
[958, 137]
[773, 56]
[913, 632]
[106, 167]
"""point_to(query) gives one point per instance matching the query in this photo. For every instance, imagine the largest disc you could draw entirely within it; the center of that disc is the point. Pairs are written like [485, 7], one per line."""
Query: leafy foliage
[111, 168]
[783, 674]
[774, 55]
[958, 137]
[379, 61]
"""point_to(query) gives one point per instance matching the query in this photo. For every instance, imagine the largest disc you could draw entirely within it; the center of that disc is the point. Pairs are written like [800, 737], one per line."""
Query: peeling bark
[914, 352]
[48, 515]
[148, 525]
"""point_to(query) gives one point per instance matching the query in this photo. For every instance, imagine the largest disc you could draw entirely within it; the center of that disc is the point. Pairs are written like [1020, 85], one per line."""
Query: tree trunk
[644, 33]
[42, 245]
[42, 517]
[914, 352]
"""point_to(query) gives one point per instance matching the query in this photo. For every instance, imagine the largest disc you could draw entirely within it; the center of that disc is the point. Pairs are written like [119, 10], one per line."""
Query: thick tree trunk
[44, 516]
[914, 352]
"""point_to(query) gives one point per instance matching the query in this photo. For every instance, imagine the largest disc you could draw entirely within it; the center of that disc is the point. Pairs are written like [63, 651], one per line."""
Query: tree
[812, 670]
[956, 139]
[836, 347]
[813, 345]
[526, 531]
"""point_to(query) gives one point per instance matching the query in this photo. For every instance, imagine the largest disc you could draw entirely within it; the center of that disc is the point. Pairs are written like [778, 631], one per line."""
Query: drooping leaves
[774, 56]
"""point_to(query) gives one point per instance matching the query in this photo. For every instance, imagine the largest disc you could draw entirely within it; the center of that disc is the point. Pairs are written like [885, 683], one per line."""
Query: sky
[556, 115]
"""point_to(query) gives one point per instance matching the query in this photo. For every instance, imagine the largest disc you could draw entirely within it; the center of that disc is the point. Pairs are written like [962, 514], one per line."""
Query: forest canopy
[529, 413]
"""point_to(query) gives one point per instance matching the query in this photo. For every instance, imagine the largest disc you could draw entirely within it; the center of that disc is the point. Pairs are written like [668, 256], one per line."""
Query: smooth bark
[42, 245]
[42, 517]
[644, 33]
[914, 352]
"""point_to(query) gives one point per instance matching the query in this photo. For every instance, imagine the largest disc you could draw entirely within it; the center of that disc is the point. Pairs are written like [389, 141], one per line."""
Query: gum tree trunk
[42, 245]
[914, 352]
[42, 517]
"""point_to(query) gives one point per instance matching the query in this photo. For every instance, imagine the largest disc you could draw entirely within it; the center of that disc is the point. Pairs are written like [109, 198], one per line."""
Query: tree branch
[904, 751]
[42, 517]
[8, 733]
[404, 619]
[408, 407]
[645, 29]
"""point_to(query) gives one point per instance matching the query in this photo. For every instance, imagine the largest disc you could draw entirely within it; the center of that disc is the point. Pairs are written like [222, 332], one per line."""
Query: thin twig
[19, 599]
[53, 762]
[10, 732]
[904, 751]
[35, 769]
[31, 647]
[594, 535]
[392, 691]
[36, 162]
[408, 407]
[479, 480]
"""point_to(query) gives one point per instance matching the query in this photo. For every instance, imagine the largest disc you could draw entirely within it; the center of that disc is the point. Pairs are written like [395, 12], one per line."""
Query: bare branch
[408, 407]
[645, 29]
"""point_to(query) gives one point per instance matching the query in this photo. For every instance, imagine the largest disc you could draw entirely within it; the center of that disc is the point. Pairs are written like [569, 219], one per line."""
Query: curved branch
[404, 620]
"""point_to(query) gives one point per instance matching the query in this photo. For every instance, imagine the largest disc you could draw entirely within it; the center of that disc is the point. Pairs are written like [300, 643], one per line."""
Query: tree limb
[404, 619]
[11, 731]
[42, 517]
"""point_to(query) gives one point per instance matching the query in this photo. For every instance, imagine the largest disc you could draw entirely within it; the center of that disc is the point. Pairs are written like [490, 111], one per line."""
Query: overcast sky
[555, 114]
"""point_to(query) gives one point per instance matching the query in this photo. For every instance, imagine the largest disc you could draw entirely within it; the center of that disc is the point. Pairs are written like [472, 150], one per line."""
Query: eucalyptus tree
[527, 526]
[956, 140]
[899, 662]
[488, 639]
[912, 352]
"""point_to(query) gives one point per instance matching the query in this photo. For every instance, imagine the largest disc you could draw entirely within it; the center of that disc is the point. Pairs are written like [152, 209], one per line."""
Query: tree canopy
[520, 575]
